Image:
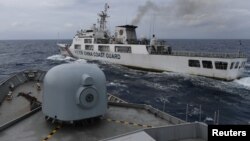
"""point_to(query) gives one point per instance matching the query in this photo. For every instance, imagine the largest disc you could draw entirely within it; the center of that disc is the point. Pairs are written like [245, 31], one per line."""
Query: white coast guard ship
[124, 48]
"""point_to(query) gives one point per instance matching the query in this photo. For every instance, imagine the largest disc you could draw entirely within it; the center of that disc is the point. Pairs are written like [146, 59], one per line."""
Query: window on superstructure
[77, 46]
[242, 65]
[221, 65]
[123, 49]
[102, 41]
[232, 65]
[245, 64]
[103, 48]
[194, 63]
[207, 64]
[236, 65]
[89, 47]
[89, 30]
[88, 41]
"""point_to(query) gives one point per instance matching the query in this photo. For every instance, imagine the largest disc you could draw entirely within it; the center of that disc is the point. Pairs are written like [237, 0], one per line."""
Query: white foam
[244, 81]
[116, 84]
[174, 74]
[126, 75]
[6, 54]
[80, 61]
[247, 71]
[59, 57]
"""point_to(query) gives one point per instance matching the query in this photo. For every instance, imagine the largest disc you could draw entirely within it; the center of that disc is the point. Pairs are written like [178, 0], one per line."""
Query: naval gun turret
[74, 92]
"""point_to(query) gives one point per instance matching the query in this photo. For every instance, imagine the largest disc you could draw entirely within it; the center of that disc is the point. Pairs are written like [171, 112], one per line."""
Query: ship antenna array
[103, 18]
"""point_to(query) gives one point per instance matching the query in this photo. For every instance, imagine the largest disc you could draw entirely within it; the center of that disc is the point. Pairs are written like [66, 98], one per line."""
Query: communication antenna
[154, 18]
[103, 18]
[152, 25]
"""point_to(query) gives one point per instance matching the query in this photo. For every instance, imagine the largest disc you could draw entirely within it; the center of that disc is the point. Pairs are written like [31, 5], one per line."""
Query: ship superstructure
[126, 49]
[21, 117]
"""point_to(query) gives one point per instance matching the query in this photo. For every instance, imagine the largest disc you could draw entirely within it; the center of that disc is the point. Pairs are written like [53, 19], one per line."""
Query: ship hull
[169, 63]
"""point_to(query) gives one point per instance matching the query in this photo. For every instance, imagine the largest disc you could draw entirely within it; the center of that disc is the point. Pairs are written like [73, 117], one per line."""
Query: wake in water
[59, 57]
[247, 65]
[67, 59]
[79, 61]
[244, 81]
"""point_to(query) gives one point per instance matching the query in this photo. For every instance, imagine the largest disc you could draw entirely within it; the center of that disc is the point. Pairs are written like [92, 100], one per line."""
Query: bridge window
[123, 49]
[207, 64]
[89, 30]
[103, 48]
[89, 47]
[194, 63]
[89, 41]
[221, 65]
[237, 65]
[77, 46]
[242, 65]
[232, 65]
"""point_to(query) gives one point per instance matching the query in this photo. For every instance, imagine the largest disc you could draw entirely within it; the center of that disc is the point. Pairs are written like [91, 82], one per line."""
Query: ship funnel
[74, 92]
[126, 34]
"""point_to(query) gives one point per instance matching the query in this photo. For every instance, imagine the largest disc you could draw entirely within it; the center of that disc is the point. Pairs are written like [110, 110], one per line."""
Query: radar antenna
[103, 18]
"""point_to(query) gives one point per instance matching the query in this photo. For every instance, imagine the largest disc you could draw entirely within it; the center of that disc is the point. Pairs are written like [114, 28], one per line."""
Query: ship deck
[121, 120]
[118, 120]
[37, 128]
[9, 109]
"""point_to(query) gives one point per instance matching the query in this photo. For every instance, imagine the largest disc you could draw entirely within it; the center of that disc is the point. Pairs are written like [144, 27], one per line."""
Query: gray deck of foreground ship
[120, 119]
[37, 128]
[9, 109]
[123, 120]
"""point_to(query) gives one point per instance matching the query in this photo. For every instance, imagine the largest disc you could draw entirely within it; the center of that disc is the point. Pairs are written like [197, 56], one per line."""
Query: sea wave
[79, 61]
[59, 57]
[6, 54]
[117, 84]
[244, 81]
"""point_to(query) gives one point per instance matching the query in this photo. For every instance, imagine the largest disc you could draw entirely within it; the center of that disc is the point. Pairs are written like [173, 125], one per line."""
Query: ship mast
[103, 16]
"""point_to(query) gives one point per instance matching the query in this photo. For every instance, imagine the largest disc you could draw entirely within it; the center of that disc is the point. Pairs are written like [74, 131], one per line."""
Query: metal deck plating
[122, 121]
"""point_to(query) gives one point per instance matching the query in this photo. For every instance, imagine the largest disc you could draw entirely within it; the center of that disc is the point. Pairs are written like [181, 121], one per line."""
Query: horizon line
[158, 38]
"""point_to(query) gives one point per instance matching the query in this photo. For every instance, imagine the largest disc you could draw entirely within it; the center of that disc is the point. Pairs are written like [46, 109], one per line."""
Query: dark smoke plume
[142, 10]
[191, 11]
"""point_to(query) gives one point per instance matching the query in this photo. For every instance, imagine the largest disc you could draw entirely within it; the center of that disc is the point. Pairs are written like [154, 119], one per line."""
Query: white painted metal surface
[91, 45]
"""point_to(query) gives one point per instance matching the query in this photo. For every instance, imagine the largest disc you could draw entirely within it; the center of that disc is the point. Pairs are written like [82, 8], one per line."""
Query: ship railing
[17, 79]
[208, 54]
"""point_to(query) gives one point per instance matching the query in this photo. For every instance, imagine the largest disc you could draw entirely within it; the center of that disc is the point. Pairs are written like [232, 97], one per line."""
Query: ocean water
[169, 91]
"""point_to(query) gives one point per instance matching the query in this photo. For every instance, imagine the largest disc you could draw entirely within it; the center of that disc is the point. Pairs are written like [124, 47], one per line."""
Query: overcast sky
[168, 19]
